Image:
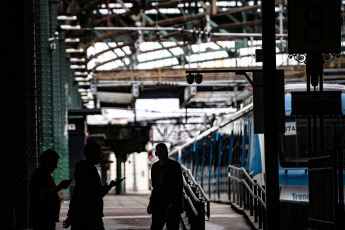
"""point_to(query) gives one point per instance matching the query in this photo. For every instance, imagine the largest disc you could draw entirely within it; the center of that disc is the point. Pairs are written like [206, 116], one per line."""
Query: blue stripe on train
[255, 165]
[293, 177]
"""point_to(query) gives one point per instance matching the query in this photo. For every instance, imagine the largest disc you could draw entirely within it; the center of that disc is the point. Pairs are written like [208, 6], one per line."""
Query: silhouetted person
[44, 198]
[86, 206]
[166, 197]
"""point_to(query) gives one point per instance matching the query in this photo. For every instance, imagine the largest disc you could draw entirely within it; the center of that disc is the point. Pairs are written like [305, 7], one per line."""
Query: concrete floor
[128, 212]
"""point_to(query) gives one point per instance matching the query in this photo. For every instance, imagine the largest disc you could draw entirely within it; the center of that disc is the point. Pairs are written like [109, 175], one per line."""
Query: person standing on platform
[45, 204]
[86, 206]
[166, 197]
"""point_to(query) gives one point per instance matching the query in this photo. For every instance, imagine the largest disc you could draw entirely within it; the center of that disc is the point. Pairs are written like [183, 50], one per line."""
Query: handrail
[248, 177]
[196, 184]
[195, 202]
[189, 189]
[191, 204]
[247, 194]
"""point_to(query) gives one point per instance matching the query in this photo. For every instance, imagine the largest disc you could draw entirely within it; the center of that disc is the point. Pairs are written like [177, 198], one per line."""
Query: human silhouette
[166, 197]
[44, 198]
[86, 205]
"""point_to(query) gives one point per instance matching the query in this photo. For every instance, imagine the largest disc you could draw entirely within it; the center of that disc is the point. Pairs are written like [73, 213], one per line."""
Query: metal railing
[247, 194]
[194, 200]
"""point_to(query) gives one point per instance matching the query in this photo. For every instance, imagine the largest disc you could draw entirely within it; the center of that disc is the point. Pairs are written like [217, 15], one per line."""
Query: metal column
[270, 118]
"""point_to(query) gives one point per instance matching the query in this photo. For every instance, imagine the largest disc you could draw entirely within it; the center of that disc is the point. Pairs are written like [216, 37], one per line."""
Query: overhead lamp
[190, 78]
[72, 40]
[69, 27]
[77, 60]
[78, 66]
[198, 78]
[81, 73]
[71, 50]
[66, 17]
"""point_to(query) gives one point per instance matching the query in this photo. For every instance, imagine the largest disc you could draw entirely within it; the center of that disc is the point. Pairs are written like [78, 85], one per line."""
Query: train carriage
[231, 141]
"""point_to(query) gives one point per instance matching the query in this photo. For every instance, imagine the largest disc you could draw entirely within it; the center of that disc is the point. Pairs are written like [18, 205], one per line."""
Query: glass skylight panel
[107, 56]
[162, 53]
[148, 46]
[168, 11]
[176, 51]
[227, 44]
[119, 52]
[100, 46]
[153, 11]
[103, 11]
[91, 64]
[245, 51]
[156, 45]
[126, 49]
[168, 44]
[198, 47]
[142, 57]
[117, 5]
[226, 3]
[174, 61]
[109, 66]
[90, 52]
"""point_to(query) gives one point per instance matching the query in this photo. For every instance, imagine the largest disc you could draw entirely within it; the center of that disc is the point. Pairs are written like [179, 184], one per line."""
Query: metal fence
[195, 203]
[247, 194]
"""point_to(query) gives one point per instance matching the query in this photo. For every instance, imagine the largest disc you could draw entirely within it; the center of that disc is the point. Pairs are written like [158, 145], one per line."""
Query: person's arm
[48, 192]
[105, 188]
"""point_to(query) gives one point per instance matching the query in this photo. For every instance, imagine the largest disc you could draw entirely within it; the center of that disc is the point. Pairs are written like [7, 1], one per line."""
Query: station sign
[316, 103]
[290, 128]
[314, 26]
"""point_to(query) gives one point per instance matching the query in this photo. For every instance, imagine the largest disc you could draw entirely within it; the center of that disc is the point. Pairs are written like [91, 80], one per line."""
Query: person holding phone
[86, 205]
[44, 193]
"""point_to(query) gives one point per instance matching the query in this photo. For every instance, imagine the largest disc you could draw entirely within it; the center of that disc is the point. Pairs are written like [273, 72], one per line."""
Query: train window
[293, 149]
[237, 149]
[246, 148]
[225, 151]
[293, 146]
[199, 160]
[207, 158]
[215, 154]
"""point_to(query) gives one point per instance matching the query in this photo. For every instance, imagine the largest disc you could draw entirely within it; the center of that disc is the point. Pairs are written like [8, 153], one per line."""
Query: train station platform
[128, 211]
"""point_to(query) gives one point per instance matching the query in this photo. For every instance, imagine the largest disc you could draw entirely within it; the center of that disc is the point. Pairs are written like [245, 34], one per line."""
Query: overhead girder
[135, 10]
[167, 21]
[192, 15]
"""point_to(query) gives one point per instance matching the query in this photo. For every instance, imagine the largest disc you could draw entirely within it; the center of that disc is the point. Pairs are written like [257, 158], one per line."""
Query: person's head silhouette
[162, 153]
[48, 160]
[93, 152]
